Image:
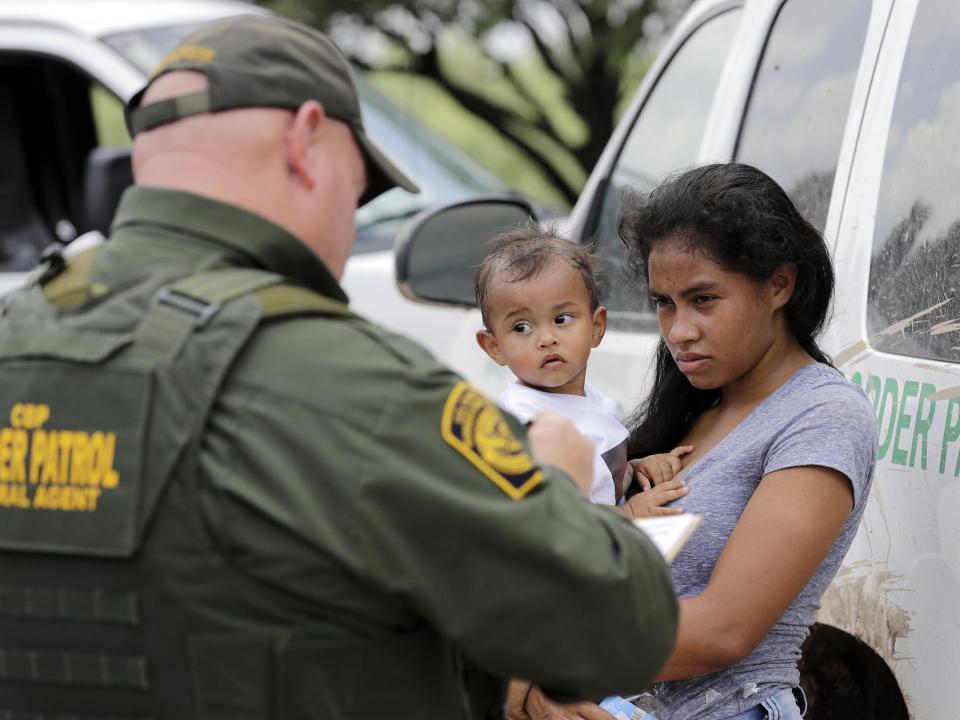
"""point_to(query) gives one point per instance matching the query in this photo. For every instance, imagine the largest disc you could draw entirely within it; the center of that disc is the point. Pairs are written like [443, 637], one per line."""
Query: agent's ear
[782, 284]
[599, 324]
[301, 138]
[491, 347]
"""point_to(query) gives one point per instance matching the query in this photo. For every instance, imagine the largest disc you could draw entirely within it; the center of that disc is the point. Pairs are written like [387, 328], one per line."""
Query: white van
[854, 107]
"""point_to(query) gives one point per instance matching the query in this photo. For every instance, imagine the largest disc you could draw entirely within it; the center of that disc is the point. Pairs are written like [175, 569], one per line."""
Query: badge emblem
[476, 428]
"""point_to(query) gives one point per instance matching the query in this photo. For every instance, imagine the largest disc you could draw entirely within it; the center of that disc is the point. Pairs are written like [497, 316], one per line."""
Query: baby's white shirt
[594, 416]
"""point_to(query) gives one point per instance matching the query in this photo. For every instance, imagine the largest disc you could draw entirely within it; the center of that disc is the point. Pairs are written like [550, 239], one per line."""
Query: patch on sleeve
[475, 428]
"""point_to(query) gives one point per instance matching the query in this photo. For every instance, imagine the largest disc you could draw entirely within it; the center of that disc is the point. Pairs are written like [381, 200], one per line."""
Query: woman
[784, 446]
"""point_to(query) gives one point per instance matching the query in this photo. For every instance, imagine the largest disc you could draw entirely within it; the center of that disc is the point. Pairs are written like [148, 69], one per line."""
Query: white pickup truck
[66, 66]
[854, 107]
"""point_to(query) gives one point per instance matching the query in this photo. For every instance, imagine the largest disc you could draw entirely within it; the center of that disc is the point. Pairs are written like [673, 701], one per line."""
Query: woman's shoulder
[820, 386]
[819, 402]
[823, 419]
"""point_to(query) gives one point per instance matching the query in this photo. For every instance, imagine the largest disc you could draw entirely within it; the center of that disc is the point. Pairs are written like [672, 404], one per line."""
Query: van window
[913, 306]
[54, 122]
[801, 96]
[665, 137]
[46, 132]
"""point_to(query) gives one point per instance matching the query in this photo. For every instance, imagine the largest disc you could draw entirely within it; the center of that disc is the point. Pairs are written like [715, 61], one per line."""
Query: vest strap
[284, 300]
[31, 715]
[70, 604]
[117, 671]
[219, 286]
[163, 332]
[187, 305]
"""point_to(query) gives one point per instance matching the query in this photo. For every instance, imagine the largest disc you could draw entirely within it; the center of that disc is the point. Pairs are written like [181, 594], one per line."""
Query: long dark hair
[741, 219]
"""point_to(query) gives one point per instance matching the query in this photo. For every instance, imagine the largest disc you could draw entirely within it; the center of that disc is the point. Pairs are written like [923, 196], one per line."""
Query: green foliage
[549, 93]
[434, 107]
[108, 117]
[540, 119]
[634, 71]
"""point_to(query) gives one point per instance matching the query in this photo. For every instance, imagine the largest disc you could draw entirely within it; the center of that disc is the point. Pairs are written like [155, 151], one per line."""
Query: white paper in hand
[669, 532]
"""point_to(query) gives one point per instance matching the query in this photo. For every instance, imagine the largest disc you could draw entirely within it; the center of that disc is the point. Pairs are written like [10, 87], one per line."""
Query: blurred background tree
[530, 88]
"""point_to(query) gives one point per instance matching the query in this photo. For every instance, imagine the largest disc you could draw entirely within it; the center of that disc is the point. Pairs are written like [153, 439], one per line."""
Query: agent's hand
[655, 469]
[555, 441]
[539, 707]
[513, 707]
[650, 502]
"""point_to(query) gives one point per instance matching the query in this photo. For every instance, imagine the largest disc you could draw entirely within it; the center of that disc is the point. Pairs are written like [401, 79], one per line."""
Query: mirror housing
[440, 250]
[109, 172]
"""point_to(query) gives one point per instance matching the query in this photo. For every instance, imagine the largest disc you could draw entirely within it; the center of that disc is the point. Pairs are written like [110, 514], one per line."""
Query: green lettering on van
[951, 431]
[922, 427]
[891, 393]
[891, 403]
[910, 390]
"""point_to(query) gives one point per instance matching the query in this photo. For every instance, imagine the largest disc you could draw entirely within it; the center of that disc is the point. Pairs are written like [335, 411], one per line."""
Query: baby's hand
[650, 502]
[655, 469]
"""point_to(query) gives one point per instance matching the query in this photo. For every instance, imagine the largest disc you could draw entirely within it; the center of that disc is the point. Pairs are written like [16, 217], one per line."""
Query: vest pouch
[72, 436]
[327, 672]
[94, 423]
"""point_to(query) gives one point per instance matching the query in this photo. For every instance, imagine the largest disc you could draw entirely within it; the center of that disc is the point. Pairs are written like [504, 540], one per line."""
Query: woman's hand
[660, 468]
[539, 707]
[650, 502]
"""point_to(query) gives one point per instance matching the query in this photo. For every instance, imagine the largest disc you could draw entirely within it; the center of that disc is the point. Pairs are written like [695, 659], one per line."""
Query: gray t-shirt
[816, 418]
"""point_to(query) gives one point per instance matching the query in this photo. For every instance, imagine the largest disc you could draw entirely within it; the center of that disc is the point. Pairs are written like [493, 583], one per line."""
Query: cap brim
[382, 174]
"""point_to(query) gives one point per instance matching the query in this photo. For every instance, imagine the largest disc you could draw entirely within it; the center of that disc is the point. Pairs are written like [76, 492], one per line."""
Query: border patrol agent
[223, 495]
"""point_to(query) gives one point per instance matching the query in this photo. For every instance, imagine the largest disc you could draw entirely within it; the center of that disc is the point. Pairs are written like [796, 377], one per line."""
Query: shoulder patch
[474, 427]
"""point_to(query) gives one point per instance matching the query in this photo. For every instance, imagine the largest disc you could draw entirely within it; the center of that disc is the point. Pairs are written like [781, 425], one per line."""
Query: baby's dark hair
[523, 252]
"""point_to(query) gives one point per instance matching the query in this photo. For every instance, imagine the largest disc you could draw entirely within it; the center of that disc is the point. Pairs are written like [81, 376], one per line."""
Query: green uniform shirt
[357, 478]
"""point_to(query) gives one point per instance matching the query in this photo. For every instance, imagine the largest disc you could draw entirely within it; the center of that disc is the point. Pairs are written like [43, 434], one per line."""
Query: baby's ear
[599, 324]
[491, 347]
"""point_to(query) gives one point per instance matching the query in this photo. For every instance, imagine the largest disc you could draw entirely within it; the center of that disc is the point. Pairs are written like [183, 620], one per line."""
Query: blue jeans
[784, 704]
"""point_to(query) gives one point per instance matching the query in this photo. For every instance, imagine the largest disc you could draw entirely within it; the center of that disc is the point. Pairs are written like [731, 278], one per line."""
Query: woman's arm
[783, 535]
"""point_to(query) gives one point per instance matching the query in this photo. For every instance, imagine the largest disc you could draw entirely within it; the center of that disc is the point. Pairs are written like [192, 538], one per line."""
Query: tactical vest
[115, 600]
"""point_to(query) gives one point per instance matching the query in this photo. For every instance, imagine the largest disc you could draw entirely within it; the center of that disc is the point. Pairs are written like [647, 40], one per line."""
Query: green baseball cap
[256, 61]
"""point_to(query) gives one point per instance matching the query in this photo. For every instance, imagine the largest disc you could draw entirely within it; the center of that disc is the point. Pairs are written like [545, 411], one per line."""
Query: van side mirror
[108, 173]
[439, 251]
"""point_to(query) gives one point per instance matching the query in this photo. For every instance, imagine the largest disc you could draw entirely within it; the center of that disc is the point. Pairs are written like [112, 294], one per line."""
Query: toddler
[540, 302]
